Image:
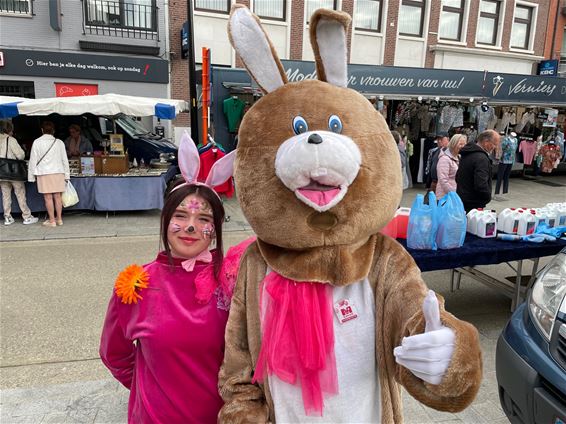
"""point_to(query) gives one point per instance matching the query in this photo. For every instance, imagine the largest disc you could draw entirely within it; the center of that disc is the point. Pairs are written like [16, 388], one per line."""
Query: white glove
[428, 355]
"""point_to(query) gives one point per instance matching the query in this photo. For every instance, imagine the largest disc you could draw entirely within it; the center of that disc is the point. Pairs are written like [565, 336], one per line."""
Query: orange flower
[129, 281]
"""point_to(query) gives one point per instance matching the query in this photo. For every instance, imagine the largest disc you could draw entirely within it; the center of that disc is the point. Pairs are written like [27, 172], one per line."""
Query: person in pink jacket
[163, 336]
[448, 165]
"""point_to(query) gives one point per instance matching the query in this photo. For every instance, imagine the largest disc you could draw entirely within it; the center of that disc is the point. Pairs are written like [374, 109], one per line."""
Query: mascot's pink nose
[314, 139]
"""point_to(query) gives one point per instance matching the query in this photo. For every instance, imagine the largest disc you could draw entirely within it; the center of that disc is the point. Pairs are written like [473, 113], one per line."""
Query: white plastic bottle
[472, 220]
[527, 224]
[487, 225]
[552, 217]
[511, 222]
[502, 218]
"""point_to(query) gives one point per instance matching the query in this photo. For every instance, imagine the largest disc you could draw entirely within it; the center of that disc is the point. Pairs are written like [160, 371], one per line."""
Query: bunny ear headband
[189, 162]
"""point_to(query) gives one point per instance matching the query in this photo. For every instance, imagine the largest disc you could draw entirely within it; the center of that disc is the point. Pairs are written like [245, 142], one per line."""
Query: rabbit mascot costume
[329, 317]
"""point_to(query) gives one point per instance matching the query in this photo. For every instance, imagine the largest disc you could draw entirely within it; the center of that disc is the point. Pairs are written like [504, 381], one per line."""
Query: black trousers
[503, 173]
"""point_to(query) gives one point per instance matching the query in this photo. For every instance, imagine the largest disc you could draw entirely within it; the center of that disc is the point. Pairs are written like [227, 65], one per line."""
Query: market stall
[105, 179]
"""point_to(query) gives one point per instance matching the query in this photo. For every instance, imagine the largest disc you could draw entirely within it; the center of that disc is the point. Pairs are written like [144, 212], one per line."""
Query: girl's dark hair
[175, 197]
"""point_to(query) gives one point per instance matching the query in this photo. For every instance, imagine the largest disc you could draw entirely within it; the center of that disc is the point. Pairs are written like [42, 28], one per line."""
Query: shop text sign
[395, 80]
[71, 90]
[525, 88]
[84, 66]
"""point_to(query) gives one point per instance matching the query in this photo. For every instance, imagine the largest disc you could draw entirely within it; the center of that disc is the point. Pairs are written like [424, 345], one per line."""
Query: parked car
[138, 141]
[531, 352]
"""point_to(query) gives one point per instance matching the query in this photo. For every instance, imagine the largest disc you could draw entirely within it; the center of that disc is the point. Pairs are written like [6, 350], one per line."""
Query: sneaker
[8, 220]
[30, 220]
[497, 198]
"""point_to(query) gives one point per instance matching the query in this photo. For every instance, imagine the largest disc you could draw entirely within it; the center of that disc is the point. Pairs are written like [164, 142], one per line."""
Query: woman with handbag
[10, 149]
[49, 165]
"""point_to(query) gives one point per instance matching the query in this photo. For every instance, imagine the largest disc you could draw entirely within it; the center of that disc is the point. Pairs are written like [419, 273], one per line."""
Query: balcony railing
[16, 7]
[117, 18]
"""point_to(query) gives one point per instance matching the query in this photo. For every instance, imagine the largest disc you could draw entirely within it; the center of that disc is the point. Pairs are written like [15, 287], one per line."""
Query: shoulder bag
[12, 169]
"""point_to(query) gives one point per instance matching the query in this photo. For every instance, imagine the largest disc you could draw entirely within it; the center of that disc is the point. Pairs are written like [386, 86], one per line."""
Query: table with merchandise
[478, 251]
[138, 189]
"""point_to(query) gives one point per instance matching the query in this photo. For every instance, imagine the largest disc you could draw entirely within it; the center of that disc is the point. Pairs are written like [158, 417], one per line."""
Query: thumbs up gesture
[428, 355]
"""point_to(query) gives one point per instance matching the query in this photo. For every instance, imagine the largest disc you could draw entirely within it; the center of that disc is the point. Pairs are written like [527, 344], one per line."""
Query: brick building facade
[495, 35]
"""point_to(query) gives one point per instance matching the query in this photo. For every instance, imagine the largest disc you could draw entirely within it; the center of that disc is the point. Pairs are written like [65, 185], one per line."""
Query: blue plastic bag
[451, 222]
[423, 223]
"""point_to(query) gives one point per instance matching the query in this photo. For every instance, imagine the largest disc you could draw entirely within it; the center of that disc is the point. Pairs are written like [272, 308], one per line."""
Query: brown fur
[399, 292]
[340, 246]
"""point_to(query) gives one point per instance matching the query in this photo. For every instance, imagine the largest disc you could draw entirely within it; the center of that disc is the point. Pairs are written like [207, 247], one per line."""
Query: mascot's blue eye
[335, 124]
[300, 125]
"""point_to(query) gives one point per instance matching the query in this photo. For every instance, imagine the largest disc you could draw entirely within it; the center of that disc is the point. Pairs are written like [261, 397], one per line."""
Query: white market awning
[105, 104]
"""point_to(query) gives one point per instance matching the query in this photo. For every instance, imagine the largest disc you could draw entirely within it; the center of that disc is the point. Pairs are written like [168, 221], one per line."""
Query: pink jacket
[446, 171]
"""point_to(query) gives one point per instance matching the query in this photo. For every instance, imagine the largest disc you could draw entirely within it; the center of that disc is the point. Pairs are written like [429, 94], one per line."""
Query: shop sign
[519, 89]
[397, 80]
[72, 90]
[548, 68]
[84, 66]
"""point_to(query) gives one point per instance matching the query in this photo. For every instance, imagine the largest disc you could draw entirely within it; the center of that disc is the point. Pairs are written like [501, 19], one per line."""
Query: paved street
[56, 282]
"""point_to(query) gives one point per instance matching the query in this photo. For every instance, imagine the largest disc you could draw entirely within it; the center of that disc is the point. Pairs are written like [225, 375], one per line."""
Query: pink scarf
[298, 339]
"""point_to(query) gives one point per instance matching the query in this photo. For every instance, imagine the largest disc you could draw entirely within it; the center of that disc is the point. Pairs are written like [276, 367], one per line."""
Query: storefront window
[488, 22]
[218, 6]
[313, 5]
[17, 7]
[451, 20]
[411, 17]
[368, 15]
[270, 9]
[522, 23]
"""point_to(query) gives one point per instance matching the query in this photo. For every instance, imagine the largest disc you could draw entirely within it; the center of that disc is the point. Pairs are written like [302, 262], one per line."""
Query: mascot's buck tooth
[329, 316]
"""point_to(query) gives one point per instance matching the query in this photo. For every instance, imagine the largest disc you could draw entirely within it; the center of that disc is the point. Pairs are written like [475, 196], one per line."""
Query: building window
[488, 23]
[270, 9]
[313, 5]
[451, 20]
[411, 17]
[17, 7]
[368, 15]
[522, 24]
[217, 6]
[132, 18]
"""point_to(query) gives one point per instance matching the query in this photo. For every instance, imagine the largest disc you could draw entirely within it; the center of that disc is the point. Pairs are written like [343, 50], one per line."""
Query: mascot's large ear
[254, 47]
[328, 30]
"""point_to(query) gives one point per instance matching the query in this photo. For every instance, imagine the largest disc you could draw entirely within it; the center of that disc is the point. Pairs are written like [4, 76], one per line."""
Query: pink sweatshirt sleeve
[116, 351]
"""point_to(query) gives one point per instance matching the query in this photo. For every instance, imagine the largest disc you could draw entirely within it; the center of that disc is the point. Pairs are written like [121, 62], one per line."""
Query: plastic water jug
[540, 216]
[472, 218]
[510, 223]
[502, 218]
[552, 217]
[487, 225]
[527, 223]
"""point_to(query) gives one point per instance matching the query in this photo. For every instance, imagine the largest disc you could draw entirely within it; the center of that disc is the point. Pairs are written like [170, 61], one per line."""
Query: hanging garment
[451, 117]
[508, 118]
[550, 154]
[528, 148]
[525, 123]
[207, 159]
[233, 109]
[483, 117]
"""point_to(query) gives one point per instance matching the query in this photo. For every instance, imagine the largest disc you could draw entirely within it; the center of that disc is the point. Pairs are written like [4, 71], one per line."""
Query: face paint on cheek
[174, 227]
[208, 231]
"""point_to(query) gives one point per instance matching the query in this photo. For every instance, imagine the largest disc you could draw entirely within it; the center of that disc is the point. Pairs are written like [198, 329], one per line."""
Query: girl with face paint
[168, 347]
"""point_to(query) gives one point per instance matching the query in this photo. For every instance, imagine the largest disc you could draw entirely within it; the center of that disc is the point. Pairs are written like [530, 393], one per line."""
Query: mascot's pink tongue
[320, 197]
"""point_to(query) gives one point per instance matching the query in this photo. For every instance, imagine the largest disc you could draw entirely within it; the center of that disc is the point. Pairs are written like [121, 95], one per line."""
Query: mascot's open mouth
[317, 193]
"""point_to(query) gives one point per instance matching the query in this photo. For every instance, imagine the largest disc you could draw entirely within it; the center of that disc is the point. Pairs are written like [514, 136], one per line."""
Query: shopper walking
[49, 165]
[448, 165]
[10, 149]
[473, 178]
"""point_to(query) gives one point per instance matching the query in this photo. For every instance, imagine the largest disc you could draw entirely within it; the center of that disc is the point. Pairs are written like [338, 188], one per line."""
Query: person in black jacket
[473, 178]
